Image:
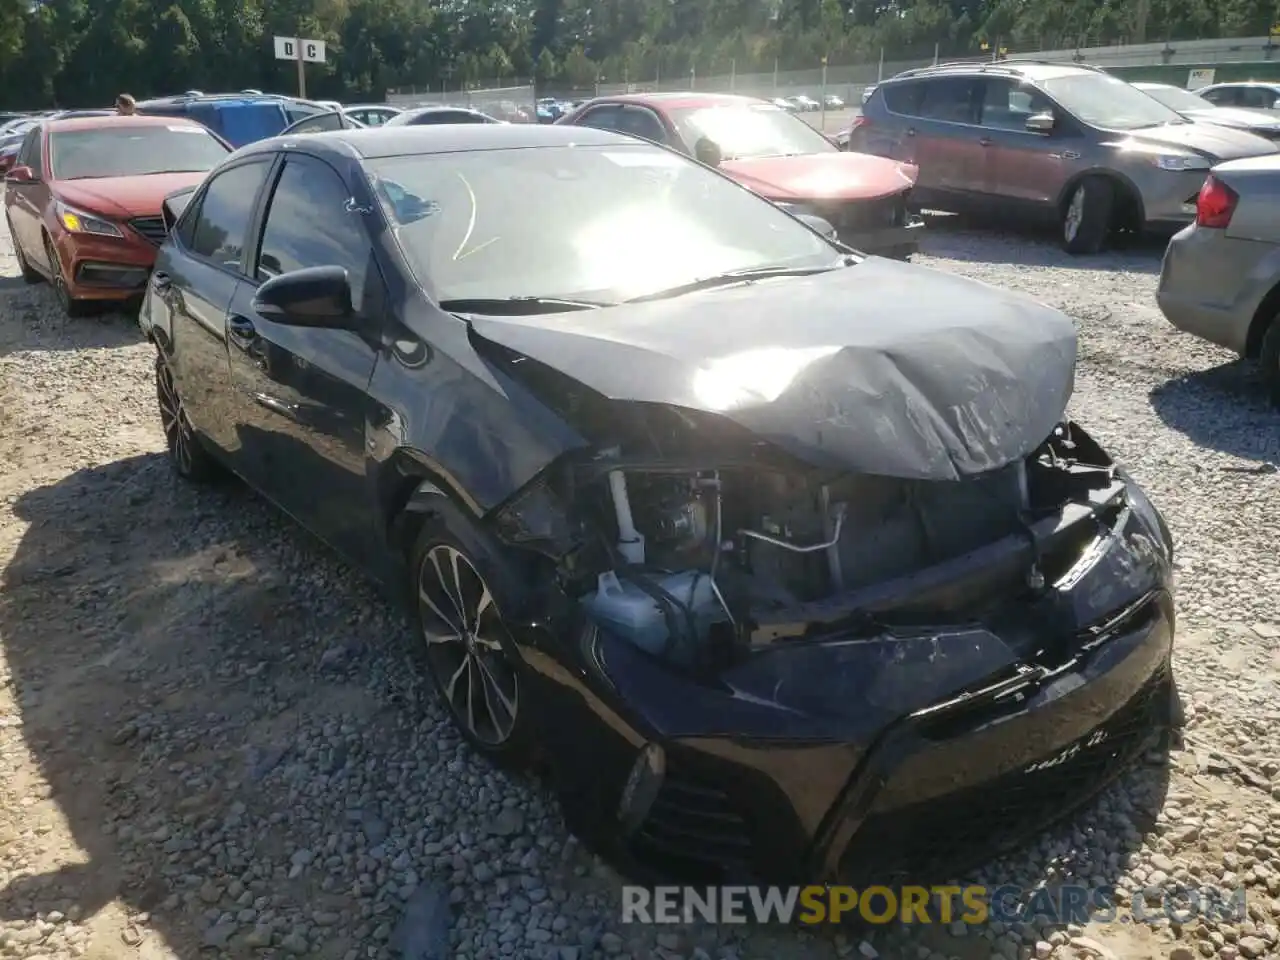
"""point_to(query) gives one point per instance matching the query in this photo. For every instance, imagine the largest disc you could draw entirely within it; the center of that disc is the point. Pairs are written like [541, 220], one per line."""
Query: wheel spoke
[444, 585]
[452, 686]
[471, 695]
[491, 683]
[485, 603]
[425, 597]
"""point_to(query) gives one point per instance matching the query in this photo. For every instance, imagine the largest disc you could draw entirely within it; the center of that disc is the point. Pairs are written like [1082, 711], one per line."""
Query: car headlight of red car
[77, 221]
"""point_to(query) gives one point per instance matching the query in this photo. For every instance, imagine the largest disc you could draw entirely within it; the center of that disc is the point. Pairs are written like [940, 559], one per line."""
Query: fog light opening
[642, 787]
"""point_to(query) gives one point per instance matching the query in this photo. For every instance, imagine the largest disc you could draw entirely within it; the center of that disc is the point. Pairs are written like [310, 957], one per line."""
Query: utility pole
[302, 70]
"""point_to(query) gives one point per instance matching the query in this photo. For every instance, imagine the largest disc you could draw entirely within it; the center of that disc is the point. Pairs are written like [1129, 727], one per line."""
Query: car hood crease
[879, 368]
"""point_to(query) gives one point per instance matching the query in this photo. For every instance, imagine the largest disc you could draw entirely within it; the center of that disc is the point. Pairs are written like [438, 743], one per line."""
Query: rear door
[947, 137]
[301, 393]
[195, 279]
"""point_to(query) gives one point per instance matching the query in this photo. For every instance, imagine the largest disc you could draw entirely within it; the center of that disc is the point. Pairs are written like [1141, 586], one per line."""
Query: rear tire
[187, 454]
[1086, 218]
[1269, 360]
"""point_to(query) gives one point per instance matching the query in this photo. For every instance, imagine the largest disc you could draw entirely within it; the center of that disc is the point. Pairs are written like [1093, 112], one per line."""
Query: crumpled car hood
[882, 367]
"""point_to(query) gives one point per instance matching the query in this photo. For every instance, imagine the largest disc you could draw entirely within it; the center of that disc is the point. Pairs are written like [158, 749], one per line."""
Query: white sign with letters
[1199, 78]
[287, 49]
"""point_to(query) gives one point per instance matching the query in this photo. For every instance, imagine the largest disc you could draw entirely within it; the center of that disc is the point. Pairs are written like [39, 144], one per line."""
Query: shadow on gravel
[1223, 408]
[187, 671]
[30, 321]
[952, 236]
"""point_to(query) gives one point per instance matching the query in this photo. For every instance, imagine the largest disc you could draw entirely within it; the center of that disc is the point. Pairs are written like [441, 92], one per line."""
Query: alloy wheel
[1075, 214]
[173, 418]
[463, 629]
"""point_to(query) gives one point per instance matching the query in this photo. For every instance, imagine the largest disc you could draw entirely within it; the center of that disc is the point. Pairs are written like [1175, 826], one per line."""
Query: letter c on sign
[311, 50]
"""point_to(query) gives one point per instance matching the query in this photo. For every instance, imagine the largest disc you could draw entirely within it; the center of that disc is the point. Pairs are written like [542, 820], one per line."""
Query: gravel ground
[210, 740]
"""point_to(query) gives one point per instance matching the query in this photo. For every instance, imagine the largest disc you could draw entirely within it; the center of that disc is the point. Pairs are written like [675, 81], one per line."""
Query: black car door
[301, 393]
[194, 280]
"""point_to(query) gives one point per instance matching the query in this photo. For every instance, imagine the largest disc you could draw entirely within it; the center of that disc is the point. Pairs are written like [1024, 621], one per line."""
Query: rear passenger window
[220, 228]
[904, 98]
[953, 99]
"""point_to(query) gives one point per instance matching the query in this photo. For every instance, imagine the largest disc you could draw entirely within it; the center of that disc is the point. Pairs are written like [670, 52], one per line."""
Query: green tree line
[82, 52]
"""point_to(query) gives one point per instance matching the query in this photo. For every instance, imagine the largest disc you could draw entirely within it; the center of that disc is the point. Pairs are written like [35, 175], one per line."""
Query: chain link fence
[513, 104]
[849, 81]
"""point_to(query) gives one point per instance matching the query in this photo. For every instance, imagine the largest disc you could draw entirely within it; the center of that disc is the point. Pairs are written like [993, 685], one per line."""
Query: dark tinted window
[1007, 105]
[903, 98]
[602, 118]
[640, 122]
[954, 99]
[127, 151]
[1222, 97]
[223, 221]
[29, 155]
[308, 225]
[1257, 98]
[447, 116]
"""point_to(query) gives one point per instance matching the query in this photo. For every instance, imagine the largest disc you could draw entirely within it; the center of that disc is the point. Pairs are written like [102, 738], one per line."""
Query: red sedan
[83, 201]
[776, 154]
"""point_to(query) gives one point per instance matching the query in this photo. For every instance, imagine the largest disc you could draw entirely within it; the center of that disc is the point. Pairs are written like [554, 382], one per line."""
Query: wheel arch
[1267, 311]
[413, 490]
[1129, 210]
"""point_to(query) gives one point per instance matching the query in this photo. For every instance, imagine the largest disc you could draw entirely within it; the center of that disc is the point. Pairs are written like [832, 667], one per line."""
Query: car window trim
[1015, 84]
[197, 205]
[1059, 110]
[600, 108]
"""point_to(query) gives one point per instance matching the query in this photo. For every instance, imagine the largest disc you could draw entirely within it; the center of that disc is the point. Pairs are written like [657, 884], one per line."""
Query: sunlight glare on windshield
[615, 251]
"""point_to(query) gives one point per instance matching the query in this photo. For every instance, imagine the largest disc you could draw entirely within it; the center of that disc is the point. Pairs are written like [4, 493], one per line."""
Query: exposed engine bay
[700, 545]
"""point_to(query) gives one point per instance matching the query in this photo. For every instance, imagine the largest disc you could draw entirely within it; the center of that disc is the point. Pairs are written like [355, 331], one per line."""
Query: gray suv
[1062, 142]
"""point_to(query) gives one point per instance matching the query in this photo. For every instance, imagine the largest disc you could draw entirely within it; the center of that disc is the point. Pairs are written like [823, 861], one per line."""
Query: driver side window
[1008, 106]
[308, 225]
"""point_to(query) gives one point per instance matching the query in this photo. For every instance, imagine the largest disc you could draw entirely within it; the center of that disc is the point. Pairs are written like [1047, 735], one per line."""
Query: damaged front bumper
[897, 242]
[867, 754]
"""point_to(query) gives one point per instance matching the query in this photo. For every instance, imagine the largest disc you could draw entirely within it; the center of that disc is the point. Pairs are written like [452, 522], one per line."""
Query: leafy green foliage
[83, 52]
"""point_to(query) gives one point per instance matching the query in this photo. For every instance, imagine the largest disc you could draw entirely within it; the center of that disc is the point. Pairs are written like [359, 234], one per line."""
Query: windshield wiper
[732, 277]
[518, 306]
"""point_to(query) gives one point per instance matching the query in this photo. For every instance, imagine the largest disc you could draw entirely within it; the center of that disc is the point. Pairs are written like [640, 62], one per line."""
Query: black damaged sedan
[783, 562]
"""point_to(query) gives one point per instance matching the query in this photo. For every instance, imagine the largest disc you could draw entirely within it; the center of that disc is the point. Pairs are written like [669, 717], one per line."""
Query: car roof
[375, 142]
[680, 100]
[111, 121]
[1242, 83]
[1035, 70]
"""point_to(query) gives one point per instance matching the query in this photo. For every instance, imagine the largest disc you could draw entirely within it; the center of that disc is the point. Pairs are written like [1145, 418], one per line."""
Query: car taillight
[1215, 204]
[859, 121]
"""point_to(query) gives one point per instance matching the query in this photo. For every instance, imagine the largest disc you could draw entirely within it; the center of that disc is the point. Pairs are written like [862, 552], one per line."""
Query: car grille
[861, 215]
[150, 228]
[933, 841]
[693, 829]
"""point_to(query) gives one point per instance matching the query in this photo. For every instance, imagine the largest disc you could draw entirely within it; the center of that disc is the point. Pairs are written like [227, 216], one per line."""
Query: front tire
[1086, 218]
[1269, 360]
[72, 307]
[187, 455]
[461, 587]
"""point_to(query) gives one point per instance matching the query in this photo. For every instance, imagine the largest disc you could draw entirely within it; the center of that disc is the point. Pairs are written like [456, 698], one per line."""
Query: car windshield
[1105, 101]
[759, 130]
[1176, 98]
[133, 151]
[588, 223]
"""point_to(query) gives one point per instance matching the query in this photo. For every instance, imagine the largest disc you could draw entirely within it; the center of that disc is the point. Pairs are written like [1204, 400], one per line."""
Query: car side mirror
[818, 225]
[1041, 123]
[311, 297]
[707, 151]
[21, 175]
